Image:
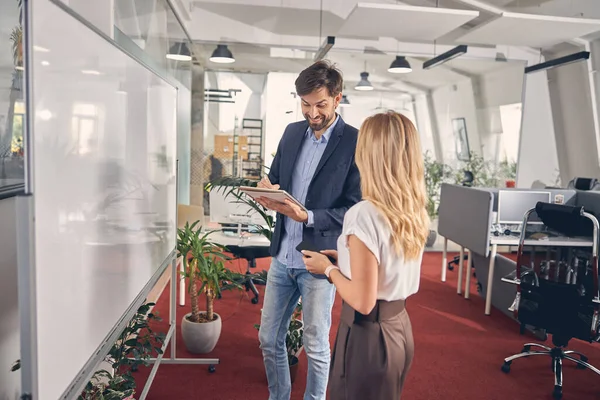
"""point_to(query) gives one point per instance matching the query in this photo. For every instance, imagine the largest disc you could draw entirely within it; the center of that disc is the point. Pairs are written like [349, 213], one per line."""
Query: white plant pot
[200, 338]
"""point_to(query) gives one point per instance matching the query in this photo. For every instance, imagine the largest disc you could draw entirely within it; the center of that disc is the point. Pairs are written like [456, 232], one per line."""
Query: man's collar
[327, 133]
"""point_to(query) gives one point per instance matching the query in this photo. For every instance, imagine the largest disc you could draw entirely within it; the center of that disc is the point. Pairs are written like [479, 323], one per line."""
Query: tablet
[273, 194]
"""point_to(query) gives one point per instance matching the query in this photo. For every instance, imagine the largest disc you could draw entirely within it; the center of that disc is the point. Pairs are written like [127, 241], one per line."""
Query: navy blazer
[334, 188]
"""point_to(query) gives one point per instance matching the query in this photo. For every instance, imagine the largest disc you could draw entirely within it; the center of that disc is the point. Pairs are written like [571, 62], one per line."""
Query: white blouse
[398, 278]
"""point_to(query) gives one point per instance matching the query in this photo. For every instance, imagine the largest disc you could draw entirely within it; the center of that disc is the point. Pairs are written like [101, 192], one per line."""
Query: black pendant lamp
[222, 55]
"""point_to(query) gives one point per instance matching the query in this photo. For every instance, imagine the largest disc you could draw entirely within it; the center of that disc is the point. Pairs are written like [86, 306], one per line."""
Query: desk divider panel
[465, 216]
[97, 224]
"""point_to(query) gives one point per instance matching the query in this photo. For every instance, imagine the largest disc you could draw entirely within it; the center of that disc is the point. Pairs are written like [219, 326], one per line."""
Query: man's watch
[328, 271]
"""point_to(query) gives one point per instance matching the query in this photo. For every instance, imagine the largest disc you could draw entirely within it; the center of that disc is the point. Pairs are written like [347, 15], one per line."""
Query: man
[315, 164]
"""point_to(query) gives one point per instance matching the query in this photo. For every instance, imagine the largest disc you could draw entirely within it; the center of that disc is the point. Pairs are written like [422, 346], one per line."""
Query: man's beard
[320, 125]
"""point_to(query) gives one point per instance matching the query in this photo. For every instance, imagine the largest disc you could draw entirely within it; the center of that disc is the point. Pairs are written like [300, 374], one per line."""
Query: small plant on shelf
[205, 272]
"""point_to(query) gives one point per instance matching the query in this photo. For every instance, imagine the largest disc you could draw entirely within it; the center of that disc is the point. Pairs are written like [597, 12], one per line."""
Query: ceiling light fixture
[400, 66]
[90, 72]
[364, 83]
[571, 58]
[445, 57]
[344, 102]
[179, 52]
[222, 55]
[324, 49]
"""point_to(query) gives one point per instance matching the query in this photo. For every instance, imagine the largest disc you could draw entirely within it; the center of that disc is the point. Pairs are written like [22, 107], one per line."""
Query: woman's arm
[360, 292]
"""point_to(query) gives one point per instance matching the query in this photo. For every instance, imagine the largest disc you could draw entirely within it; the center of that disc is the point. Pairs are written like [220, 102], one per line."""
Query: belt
[382, 311]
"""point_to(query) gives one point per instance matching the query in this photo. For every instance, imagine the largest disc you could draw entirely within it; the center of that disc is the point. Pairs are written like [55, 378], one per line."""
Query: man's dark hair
[320, 74]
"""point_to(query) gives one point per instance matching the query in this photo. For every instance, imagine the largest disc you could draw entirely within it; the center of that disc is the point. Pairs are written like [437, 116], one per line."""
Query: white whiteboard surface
[104, 181]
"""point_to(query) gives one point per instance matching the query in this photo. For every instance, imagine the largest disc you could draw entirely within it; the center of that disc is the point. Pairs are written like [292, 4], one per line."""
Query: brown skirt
[372, 353]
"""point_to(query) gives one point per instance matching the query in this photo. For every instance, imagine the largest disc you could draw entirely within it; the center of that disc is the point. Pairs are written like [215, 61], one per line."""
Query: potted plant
[205, 271]
[436, 173]
[134, 346]
[294, 340]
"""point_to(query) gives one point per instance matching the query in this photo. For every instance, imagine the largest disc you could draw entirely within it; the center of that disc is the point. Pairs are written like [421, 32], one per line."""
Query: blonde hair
[392, 177]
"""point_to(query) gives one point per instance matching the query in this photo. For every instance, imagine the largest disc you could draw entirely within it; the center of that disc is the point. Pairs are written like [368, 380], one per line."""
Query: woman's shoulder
[363, 211]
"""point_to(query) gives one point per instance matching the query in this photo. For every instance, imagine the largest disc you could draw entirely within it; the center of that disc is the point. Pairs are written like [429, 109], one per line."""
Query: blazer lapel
[334, 140]
[294, 145]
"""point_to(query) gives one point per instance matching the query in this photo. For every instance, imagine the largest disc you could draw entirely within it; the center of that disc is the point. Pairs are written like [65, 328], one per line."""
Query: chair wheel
[557, 393]
[254, 300]
[526, 349]
[506, 367]
[450, 267]
[584, 359]
[212, 369]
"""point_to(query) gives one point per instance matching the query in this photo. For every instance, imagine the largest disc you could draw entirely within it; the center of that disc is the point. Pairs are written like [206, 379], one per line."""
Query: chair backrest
[581, 183]
[566, 219]
[564, 310]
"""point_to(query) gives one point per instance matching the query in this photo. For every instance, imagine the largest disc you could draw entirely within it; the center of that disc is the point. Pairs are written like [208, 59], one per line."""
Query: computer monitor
[513, 204]
[225, 208]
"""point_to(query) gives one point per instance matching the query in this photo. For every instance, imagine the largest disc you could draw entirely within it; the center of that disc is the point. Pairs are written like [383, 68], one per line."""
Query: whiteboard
[104, 189]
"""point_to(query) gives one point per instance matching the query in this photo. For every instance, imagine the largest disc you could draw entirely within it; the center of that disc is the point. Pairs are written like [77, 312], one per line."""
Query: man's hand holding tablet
[287, 208]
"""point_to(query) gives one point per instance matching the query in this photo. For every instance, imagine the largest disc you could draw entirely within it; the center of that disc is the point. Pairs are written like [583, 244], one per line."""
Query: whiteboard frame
[25, 230]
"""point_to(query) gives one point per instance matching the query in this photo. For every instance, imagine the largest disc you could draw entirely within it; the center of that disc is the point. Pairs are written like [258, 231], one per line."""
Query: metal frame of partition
[26, 253]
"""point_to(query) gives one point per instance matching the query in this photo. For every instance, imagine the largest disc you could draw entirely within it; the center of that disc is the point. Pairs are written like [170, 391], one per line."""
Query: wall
[499, 127]
[570, 99]
[456, 101]
[538, 158]
[282, 108]
[9, 312]
[221, 117]
[366, 104]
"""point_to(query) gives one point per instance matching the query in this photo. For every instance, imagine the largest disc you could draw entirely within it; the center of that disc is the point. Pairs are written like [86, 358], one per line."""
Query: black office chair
[250, 254]
[563, 301]
[580, 183]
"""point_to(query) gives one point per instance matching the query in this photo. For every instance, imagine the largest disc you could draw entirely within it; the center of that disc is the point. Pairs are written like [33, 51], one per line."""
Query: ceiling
[257, 59]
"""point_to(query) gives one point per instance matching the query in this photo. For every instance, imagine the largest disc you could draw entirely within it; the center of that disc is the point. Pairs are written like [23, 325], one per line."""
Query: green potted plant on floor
[205, 272]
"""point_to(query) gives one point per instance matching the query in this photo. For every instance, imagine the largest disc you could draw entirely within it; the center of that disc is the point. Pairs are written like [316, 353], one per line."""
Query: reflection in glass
[12, 108]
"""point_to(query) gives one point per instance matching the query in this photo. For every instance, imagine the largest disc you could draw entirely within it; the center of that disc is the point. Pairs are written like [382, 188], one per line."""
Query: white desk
[505, 240]
[243, 240]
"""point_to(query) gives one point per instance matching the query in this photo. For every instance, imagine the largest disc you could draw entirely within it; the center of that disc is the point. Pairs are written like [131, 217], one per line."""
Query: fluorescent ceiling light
[324, 49]
[45, 63]
[445, 57]
[222, 55]
[90, 72]
[179, 52]
[571, 58]
[364, 83]
[40, 49]
[400, 66]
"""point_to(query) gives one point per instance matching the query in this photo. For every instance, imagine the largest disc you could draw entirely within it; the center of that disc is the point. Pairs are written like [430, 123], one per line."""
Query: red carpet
[459, 352]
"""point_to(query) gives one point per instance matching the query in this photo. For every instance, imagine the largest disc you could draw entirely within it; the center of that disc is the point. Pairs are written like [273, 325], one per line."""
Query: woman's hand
[316, 263]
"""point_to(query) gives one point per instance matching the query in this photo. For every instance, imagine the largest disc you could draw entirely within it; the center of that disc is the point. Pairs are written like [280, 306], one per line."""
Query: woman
[378, 262]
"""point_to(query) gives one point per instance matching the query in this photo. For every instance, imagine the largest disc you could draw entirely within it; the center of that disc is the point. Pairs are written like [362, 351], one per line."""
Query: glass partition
[12, 109]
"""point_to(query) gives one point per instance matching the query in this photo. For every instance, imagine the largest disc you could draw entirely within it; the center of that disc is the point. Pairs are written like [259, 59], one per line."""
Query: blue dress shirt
[308, 159]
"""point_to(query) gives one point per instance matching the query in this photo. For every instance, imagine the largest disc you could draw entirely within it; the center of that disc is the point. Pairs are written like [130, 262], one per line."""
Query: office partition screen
[465, 216]
[101, 194]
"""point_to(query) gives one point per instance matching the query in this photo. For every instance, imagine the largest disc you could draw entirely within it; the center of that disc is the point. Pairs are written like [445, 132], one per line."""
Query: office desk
[243, 240]
[505, 240]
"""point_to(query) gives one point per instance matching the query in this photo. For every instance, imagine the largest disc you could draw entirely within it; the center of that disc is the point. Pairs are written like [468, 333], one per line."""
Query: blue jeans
[284, 288]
